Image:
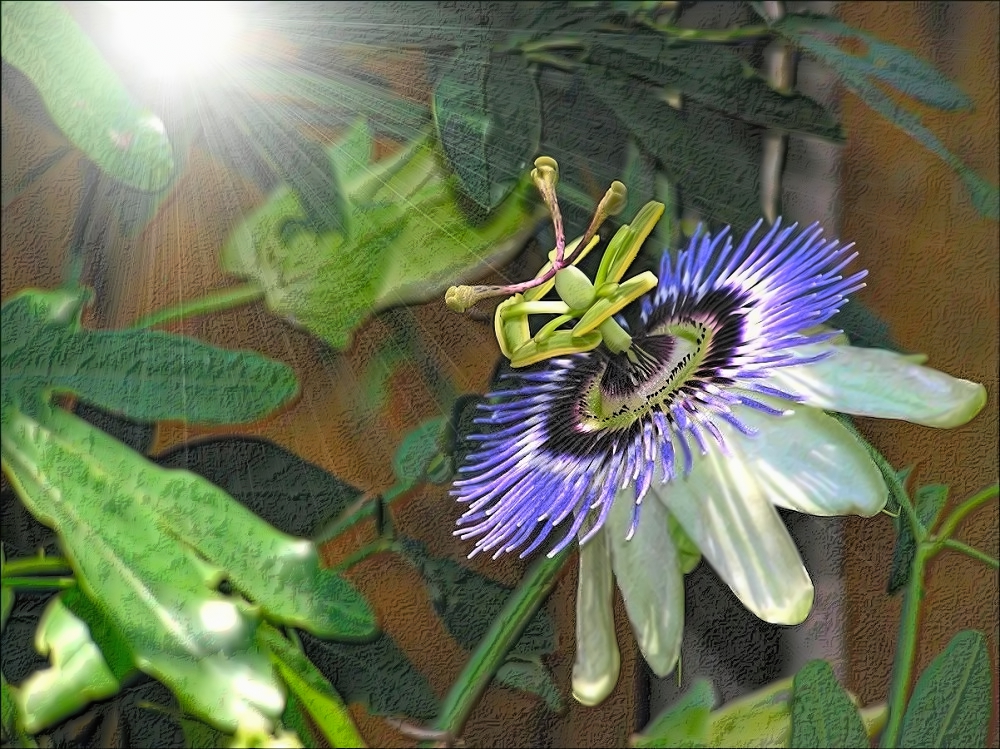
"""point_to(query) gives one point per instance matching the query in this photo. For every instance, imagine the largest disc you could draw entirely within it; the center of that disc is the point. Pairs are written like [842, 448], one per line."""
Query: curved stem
[980, 556]
[981, 497]
[497, 642]
[369, 550]
[216, 301]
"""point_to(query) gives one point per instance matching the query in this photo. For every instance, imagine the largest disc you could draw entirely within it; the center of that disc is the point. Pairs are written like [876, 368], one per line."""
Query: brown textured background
[934, 277]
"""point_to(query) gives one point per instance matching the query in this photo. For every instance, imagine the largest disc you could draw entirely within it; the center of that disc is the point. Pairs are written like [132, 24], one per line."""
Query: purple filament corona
[544, 459]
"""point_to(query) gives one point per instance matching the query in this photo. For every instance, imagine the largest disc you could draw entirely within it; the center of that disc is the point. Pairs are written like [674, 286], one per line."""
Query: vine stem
[39, 583]
[215, 301]
[35, 566]
[906, 646]
[467, 690]
[977, 499]
[950, 543]
[909, 619]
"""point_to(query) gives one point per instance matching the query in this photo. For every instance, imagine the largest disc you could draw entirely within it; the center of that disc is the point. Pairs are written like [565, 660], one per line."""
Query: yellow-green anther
[603, 309]
[460, 298]
[607, 290]
[551, 327]
[560, 344]
[614, 199]
[511, 333]
[533, 308]
[614, 336]
[574, 288]
[625, 245]
[546, 170]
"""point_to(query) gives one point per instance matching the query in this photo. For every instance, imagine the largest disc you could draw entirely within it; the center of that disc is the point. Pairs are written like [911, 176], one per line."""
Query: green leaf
[293, 495]
[83, 94]
[417, 450]
[316, 695]
[487, 111]
[294, 719]
[531, 676]
[761, 719]
[376, 674]
[145, 543]
[302, 164]
[639, 176]
[951, 703]
[143, 375]
[468, 603]
[78, 675]
[684, 723]
[410, 240]
[884, 63]
[6, 594]
[822, 713]
[716, 77]
[6, 604]
[103, 633]
[928, 503]
[715, 160]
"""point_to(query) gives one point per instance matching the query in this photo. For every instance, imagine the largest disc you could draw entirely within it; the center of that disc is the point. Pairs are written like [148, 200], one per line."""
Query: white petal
[808, 462]
[649, 577]
[882, 384]
[595, 671]
[725, 511]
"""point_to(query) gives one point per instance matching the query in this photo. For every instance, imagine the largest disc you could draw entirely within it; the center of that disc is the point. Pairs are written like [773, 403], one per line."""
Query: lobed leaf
[880, 60]
[410, 240]
[145, 542]
[139, 374]
[78, 675]
[468, 603]
[376, 674]
[714, 160]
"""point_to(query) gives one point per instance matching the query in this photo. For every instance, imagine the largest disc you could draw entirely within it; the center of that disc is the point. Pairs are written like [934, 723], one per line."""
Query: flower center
[645, 377]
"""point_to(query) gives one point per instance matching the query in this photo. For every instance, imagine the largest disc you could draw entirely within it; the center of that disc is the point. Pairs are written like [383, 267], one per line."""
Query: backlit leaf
[83, 94]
